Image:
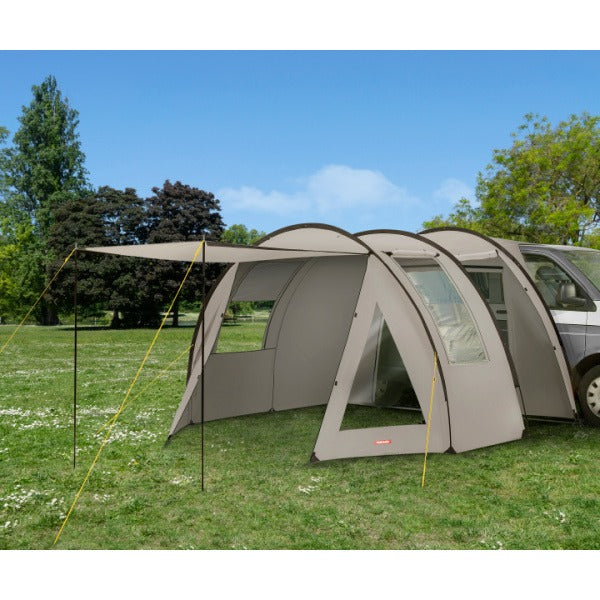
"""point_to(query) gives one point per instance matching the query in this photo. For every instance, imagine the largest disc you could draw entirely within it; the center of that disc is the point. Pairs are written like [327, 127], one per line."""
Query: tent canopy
[215, 252]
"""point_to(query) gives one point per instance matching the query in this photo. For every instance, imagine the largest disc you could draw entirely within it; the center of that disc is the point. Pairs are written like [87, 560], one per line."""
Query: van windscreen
[587, 261]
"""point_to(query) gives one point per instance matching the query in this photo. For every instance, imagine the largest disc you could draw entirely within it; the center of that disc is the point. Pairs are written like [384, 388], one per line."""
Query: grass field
[541, 492]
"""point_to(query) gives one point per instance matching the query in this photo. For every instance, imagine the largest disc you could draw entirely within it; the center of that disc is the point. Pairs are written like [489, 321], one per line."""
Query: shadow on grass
[108, 328]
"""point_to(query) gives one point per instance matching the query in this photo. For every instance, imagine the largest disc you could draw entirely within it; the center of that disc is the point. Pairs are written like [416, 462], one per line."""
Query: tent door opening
[383, 393]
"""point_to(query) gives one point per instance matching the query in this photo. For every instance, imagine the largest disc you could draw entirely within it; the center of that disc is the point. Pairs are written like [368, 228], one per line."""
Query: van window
[548, 276]
[587, 261]
[489, 283]
[488, 280]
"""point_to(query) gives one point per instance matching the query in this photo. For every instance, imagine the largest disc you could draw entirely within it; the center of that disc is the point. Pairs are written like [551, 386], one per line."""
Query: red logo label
[379, 442]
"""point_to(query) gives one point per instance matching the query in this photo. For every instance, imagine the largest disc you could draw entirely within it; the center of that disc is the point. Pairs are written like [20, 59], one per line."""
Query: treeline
[47, 205]
[544, 188]
[134, 290]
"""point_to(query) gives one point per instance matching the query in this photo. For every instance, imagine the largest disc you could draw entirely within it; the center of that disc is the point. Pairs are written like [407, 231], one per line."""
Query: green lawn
[541, 492]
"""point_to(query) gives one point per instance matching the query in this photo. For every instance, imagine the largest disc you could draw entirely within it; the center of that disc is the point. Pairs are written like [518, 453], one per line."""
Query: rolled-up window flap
[477, 255]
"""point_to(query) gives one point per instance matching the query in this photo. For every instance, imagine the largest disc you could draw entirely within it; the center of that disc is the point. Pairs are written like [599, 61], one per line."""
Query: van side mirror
[567, 295]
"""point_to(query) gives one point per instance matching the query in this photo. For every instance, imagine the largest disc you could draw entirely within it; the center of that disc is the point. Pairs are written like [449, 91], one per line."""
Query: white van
[568, 278]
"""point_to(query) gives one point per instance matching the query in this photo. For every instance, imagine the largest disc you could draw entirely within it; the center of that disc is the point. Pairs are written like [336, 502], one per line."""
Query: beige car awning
[215, 252]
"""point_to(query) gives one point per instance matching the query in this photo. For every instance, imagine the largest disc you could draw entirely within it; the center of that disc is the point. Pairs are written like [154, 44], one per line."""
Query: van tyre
[589, 396]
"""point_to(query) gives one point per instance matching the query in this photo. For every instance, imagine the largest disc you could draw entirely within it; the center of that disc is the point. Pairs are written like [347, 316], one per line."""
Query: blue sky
[355, 139]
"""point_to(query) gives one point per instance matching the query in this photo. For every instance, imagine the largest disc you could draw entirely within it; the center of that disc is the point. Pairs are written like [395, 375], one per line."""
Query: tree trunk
[49, 316]
[115, 322]
[176, 314]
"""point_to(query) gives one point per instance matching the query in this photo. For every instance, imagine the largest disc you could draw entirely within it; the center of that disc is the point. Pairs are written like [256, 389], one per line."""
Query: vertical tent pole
[75, 363]
[203, 363]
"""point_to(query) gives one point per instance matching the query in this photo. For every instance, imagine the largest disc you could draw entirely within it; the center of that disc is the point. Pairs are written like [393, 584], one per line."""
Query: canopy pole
[75, 363]
[202, 342]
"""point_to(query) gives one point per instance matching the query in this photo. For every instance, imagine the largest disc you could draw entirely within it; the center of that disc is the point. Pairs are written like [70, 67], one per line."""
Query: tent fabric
[307, 307]
[477, 417]
[265, 280]
[215, 252]
[316, 336]
[533, 341]
[381, 292]
[336, 297]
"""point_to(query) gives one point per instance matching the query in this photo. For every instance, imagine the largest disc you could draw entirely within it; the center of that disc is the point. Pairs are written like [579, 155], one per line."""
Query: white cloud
[250, 198]
[452, 190]
[333, 188]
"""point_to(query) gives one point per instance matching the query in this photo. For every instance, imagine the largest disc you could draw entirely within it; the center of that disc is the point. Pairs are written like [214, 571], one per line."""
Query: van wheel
[589, 396]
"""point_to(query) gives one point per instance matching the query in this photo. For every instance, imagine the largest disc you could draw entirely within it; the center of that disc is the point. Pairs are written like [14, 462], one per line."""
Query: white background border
[299, 24]
[309, 24]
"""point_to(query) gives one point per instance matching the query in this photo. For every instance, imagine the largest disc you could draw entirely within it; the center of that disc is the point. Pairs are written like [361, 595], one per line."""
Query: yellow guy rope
[37, 301]
[429, 418]
[117, 414]
[148, 386]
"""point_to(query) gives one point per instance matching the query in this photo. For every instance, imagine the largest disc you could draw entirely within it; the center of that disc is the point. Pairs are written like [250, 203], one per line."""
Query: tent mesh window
[452, 317]
[244, 326]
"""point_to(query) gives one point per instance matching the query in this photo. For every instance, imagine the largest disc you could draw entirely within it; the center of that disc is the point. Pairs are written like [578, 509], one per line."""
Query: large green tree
[176, 213]
[7, 249]
[46, 157]
[18, 281]
[42, 169]
[135, 290]
[240, 234]
[544, 188]
[108, 217]
[19, 251]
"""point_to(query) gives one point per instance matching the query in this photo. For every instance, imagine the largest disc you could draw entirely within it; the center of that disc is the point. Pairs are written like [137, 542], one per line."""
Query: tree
[464, 215]
[43, 167]
[545, 188]
[46, 156]
[8, 290]
[178, 212]
[136, 292]
[78, 220]
[17, 279]
[125, 279]
[3, 182]
[240, 234]
[108, 217]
